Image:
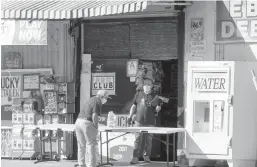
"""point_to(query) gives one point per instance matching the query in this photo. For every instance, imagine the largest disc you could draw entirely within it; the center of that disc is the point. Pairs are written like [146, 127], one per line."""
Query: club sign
[104, 81]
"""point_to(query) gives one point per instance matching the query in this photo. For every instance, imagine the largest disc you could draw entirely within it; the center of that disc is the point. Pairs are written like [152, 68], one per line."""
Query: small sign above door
[132, 66]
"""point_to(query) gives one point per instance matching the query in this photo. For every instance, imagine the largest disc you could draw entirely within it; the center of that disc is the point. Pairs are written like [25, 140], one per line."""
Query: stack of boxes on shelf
[25, 142]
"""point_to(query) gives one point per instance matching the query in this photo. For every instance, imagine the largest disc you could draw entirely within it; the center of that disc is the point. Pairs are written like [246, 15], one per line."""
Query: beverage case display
[17, 144]
[17, 131]
[31, 140]
[17, 141]
[26, 114]
[17, 118]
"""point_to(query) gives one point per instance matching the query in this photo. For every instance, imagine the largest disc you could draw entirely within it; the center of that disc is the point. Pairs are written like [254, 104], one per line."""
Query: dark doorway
[167, 117]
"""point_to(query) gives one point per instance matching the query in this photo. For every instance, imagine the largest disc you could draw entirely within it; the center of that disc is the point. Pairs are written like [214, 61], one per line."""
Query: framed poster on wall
[31, 82]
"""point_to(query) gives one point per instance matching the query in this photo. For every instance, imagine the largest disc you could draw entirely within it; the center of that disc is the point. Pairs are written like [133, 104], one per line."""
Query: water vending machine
[221, 112]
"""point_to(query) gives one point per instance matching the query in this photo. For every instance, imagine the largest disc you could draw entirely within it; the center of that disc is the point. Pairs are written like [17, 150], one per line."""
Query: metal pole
[107, 147]
[168, 149]
[101, 150]
[174, 149]
[50, 142]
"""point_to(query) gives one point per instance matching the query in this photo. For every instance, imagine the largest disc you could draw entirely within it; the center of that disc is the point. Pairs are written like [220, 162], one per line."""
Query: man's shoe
[147, 159]
[134, 160]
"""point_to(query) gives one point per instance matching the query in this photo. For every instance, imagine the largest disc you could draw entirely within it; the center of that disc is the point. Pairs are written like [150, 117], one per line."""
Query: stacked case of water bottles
[25, 140]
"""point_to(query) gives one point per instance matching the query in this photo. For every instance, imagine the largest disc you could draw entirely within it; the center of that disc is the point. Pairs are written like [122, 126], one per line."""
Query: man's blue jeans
[142, 141]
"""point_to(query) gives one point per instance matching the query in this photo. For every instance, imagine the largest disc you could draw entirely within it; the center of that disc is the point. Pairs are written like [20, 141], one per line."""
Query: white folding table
[151, 130]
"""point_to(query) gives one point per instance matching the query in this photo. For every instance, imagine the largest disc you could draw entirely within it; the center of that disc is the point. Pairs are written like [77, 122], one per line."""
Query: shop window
[201, 116]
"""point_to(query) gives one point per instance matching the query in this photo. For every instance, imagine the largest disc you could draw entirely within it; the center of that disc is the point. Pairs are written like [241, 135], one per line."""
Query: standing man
[145, 104]
[86, 128]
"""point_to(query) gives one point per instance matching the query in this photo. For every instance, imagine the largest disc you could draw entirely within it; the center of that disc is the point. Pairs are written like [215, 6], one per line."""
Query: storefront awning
[68, 9]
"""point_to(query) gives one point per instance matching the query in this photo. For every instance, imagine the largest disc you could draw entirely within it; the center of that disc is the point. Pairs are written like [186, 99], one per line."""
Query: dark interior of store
[125, 91]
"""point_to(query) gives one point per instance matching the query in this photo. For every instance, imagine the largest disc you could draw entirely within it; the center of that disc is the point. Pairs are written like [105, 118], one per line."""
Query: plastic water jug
[111, 120]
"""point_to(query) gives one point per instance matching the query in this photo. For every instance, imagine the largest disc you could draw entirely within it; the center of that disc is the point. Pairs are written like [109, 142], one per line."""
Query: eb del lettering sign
[210, 82]
[236, 20]
[104, 81]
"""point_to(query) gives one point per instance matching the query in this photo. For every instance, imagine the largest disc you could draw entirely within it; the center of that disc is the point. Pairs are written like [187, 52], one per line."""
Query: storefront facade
[110, 45]
[55, 57]
[154, 38]
[222, 32]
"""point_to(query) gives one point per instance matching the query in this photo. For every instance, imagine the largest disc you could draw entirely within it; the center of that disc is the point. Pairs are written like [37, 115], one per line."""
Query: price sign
[31, 82]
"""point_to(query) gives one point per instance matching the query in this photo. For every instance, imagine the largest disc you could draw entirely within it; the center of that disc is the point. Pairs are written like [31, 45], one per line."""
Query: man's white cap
[103, 93]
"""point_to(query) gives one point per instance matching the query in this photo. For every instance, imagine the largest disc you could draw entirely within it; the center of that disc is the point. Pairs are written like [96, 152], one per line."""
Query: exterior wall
[214, 51]
[237, 52]
[198, 9]
[57, 54]
[205, 10]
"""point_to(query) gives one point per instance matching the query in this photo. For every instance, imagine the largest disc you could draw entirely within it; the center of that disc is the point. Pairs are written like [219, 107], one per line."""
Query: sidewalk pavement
[70, 163]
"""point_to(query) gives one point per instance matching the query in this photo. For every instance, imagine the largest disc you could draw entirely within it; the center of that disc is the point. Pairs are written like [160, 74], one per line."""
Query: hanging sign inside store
[132, 66]
[31, 82]
[104, 81]
[210, 82]
[23, 32]
[10, 89]
[12, 61]
[236, 21]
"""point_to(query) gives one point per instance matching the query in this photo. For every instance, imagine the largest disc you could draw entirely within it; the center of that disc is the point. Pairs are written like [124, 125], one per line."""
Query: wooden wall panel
[58, 54]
